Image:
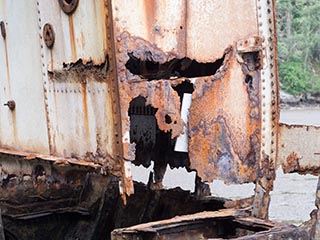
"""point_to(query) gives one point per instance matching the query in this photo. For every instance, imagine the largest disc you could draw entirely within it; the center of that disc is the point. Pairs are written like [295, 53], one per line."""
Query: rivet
[11, 104]
[48, 35]
[69, 6]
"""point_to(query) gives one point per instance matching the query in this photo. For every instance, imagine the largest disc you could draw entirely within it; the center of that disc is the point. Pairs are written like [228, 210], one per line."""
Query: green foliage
[294, 78]
[299, 45]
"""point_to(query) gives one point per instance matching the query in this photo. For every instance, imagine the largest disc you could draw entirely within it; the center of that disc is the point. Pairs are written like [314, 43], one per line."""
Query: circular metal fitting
[68, 6]
[48, 35]
[11, 104]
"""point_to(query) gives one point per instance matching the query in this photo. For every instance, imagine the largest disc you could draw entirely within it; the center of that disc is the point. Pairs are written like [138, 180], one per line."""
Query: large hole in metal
[152, 144]
[185, 67]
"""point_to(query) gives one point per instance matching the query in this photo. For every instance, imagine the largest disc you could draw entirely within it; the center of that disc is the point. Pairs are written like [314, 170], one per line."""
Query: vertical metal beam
[126, 183]
[270, 111]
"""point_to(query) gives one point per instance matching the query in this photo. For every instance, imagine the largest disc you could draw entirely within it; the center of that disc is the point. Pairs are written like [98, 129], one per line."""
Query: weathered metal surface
[213, 25]
[223, 224]
[41, 199]
[81, 95]
[158, 22]
[56, 160]
[269, 107]
[299, 149]
[231, 151]
[23, 128]
[64, 106]
[107, 91]
[75, 38]
[225, 138]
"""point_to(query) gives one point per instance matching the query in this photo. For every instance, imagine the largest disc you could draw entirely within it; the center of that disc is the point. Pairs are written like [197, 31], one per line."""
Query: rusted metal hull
[91, 87]
[224, 100]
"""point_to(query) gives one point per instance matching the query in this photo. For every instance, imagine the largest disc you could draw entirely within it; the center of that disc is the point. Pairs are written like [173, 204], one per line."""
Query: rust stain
[251, 228]
[72, 38]
[104, 16]
[224, 125]
[292, 165]
[159, 94]
[51, 60]
[224, 121]
[85, 111]
[150, 9]
[7, 67]
[14, 127]
[13, 112]
[49, 158]
[83, 40]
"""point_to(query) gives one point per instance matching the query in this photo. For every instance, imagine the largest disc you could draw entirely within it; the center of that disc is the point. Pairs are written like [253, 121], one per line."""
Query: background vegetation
[299, 45]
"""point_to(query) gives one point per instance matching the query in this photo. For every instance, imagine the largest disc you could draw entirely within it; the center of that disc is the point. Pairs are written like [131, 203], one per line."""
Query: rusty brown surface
[238, 123]
[54, 159]
[239, 204]
[221, 224]
[224, 123]
[158, 93]
[225, 117]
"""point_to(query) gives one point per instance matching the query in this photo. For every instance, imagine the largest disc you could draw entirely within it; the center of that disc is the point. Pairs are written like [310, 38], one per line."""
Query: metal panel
[80, 35]
[21, 80]
[214, 25]
[161, 22]
[236, 80]
[77, 82]
[224, 125]
[299, 149]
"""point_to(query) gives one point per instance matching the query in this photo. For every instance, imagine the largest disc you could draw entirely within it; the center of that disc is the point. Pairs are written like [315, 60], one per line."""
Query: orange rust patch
[85, 110]
[224, 135]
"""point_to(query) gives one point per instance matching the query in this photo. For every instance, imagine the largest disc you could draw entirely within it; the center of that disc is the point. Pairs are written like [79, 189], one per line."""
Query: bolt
[3, 29]
[48, 35]
[157, 28]
[11, 105]
[68, 6]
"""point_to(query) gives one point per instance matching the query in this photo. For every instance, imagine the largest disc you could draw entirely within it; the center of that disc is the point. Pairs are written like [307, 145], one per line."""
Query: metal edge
[126, 184]
[269, 107]
[44, 77]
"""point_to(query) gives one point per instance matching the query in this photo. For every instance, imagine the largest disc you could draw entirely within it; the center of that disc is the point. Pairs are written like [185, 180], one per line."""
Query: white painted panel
[80, 118]
[161, 22]
[79, 104]
[21, 79]
[81, 35]
[214, 25]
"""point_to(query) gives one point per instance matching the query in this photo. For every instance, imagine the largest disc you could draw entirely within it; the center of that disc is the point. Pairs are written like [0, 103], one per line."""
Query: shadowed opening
[185, 67]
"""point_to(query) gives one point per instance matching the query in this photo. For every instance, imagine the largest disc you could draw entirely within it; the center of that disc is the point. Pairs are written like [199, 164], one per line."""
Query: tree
[299, 45]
